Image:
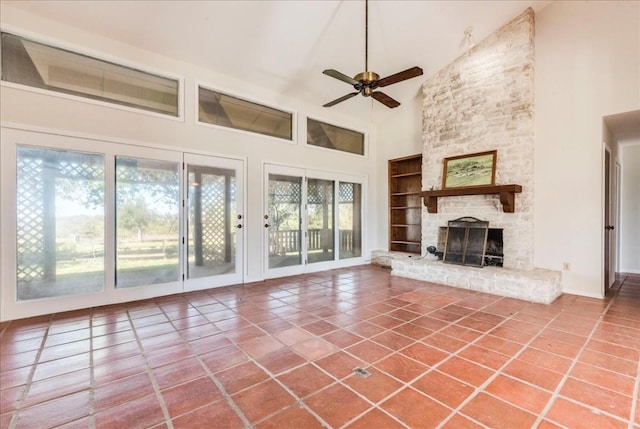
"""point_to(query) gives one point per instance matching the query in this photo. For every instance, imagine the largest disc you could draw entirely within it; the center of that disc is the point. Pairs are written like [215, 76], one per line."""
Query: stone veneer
[483, 101]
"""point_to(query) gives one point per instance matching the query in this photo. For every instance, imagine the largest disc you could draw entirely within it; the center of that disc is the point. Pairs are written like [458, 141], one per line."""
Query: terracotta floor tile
[217, 414]
[61, 366]
[444, 342]
[614, 350]
[314, 348]
[518, 393]
[241, 376]
[500, 345]
[392, 340]
[342, 338]
[460, 422]
[465, 371]
[443, 388]
[56, 412]
[209, 343]
[597, 397]
[425, 354]
[412, 330]
[223, 358]
[337, 405]
[545, 360]
[401, 367]
[113, 370]
[415, 410]
[320, 327]
[280, 360]
[533, 374]
[305, 380]
[485, 357]
[142, 412]
[366, 329]
[368, 351]
[327, 317]
[374, 419]
[111, 394]
[375, 387]
[340, 364]
[262, 400]
[163, 356]
[200, 392]
[603, 378]
[572, 415]
[291, 418]
[502, 415]
[57, 387]
[611, 363]
[261, 346]
[293, 335]
[567, 350]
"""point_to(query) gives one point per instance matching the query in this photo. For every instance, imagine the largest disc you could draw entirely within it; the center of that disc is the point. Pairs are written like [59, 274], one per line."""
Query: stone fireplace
[484, 101]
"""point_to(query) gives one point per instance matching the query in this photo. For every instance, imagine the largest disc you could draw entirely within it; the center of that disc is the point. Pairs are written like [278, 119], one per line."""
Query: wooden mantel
[507, 195]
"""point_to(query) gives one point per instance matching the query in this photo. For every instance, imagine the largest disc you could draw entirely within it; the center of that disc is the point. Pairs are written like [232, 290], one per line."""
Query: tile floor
[282, 354]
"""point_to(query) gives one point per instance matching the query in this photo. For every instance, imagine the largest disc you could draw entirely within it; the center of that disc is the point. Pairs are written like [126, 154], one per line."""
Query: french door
[214, 221]
[312, 220]
[87, 223]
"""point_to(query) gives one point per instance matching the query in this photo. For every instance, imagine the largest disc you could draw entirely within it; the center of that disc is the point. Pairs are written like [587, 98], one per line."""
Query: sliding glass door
[312, 219]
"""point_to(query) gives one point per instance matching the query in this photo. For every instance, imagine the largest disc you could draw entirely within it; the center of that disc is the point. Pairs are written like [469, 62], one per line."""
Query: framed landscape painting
[476, 169]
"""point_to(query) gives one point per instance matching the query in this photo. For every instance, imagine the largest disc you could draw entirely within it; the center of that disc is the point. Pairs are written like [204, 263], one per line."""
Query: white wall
[630, 219]
[587, 66]
[44, 111]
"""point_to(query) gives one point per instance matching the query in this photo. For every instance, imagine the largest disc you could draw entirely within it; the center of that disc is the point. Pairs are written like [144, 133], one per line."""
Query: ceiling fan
[367, 82]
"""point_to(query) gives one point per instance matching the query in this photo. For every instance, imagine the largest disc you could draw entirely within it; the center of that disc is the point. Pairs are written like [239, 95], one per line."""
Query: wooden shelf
[405, 207]
[507, 195]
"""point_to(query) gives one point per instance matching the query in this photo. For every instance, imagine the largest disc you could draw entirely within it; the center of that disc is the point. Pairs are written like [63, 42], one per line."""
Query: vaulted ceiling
[285, 45]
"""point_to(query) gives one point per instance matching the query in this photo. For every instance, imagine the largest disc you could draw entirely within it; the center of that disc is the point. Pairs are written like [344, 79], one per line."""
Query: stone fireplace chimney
[484, 101]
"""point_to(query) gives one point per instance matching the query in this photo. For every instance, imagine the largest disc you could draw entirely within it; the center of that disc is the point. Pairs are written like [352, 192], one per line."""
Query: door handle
[239, 226]
[609, 227]
[266, 225]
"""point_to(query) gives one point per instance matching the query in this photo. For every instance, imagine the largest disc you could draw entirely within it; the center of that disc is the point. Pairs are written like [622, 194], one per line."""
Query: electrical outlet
[566, 266]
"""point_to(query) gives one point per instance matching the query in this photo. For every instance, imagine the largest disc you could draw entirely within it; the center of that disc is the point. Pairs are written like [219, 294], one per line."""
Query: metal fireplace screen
[466, 241]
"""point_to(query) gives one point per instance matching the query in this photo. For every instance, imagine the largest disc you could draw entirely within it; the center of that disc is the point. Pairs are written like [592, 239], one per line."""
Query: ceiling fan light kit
[367, 82]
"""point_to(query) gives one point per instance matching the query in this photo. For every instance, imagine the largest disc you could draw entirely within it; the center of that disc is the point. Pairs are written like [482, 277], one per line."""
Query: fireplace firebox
[469, 241]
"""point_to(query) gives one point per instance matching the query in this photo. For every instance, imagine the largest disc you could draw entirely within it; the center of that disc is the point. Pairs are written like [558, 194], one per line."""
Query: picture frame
[471, 170]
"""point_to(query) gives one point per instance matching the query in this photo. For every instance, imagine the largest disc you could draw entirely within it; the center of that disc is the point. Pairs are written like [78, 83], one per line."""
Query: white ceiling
[285, 45]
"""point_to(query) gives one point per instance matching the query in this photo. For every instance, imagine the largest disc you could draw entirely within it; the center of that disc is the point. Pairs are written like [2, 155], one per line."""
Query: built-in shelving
[405, 207]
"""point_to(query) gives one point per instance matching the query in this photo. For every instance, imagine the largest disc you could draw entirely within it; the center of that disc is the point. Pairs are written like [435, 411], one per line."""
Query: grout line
[152, 377]
[15, 418]
[565, 376]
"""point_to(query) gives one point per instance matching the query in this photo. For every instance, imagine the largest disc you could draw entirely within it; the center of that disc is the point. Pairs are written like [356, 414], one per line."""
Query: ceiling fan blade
[343, 77]
[399, 77]
[385, 99]
[340, 100]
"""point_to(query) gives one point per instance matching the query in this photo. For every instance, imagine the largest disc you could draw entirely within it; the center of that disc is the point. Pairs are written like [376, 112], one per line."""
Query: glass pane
[147, 216]
[226, 111]
[60, 223]
[285, 198]
[349, 219]
[333, 137]
[211, 222]
[41, 66]
[320, 229]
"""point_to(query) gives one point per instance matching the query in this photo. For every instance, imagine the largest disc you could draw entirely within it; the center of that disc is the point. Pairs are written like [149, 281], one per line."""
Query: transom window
[41, 66]
[333, 137]
[224, 110]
